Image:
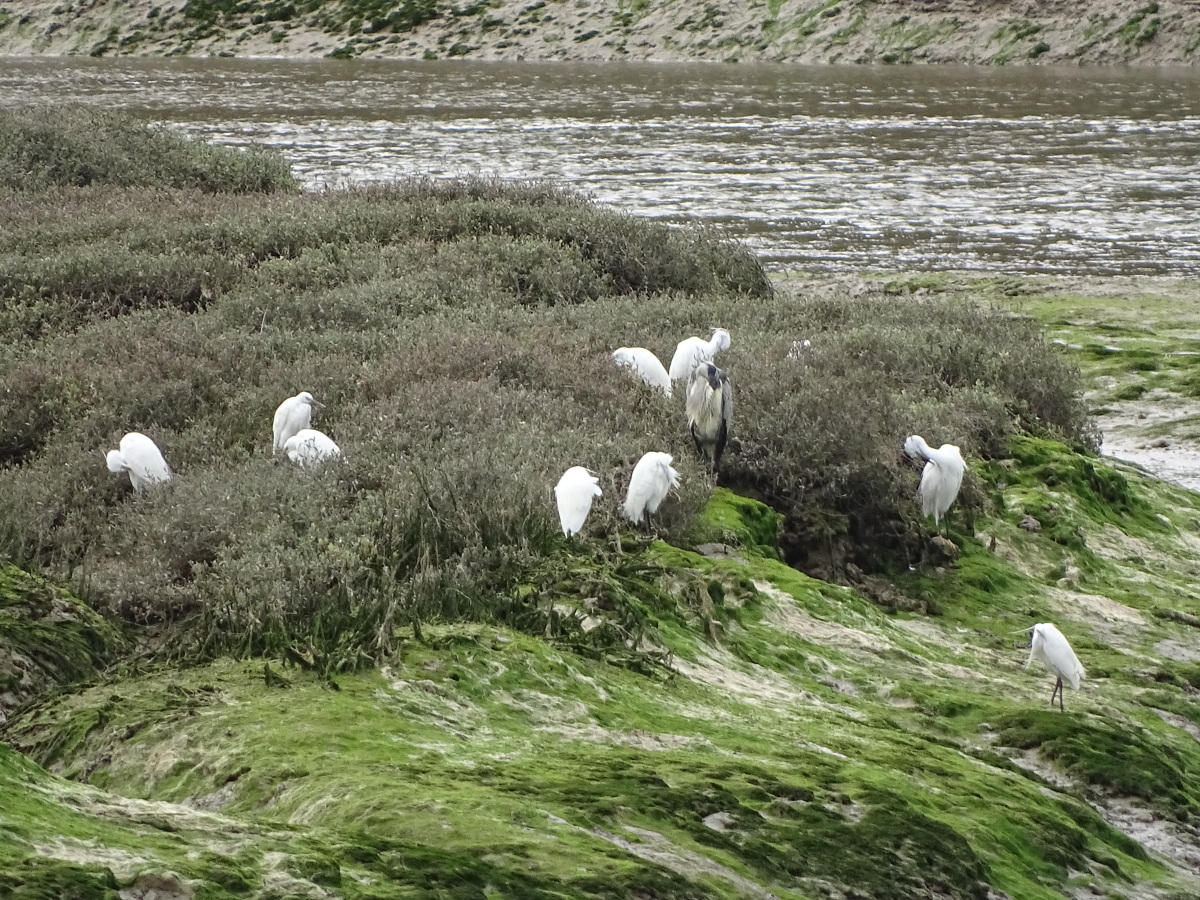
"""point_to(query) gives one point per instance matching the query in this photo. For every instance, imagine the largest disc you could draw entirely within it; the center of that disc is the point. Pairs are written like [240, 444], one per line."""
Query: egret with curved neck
[1053, 649]
[646, 365]
[941, 478]
[692, 351]
[141, 458]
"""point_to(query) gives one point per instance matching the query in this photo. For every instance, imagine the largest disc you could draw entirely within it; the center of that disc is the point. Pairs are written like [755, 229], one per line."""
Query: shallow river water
[1031, 170]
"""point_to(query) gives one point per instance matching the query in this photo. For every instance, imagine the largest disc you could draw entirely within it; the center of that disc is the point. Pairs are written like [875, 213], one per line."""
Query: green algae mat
[820, 745]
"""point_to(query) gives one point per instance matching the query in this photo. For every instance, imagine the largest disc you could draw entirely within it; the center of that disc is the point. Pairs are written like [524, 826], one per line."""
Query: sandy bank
[995, 32]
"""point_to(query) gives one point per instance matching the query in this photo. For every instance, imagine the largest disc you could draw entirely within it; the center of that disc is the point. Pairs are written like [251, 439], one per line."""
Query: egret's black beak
[317, 403]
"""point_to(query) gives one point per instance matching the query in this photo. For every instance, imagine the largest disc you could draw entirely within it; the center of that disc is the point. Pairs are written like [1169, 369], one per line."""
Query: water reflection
[826, 168]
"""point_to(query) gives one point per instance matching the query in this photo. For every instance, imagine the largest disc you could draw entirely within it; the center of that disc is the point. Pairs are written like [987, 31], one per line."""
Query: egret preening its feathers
[710, 411]
[941, 478]
[652, 478]
[1049, 645]
[692, 351]
[574, 493]
[646, 365]
[141, 458]
[308, 446]
[293, 414]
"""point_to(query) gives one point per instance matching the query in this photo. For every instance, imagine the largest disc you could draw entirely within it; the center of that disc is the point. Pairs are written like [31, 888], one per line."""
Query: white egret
[141, 458]
[652, 478]
[709, 407]
[646, 365]
[309, 446]
[941, 478]
[574, 493]
[692, 351]
[1048, 645]
[293, 414]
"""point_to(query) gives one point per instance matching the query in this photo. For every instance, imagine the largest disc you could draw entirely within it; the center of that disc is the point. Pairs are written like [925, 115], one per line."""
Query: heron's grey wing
[726, 418]
[693, 401]
[727, 403]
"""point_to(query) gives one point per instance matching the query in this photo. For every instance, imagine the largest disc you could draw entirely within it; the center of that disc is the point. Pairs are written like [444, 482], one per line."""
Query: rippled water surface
[820, 168]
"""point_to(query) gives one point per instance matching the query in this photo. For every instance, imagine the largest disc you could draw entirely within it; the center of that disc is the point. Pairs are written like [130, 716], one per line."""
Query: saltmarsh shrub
[67, 291]
[460, 334]
[80, 146]
[75, 256]
[826, 443]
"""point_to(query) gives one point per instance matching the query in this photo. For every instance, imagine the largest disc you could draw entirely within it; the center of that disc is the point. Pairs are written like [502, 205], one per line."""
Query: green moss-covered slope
[47, 638]
[810, 739]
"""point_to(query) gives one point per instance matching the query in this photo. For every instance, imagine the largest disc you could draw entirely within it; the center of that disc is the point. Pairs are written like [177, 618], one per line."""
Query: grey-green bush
[460, 334]
[78, 146]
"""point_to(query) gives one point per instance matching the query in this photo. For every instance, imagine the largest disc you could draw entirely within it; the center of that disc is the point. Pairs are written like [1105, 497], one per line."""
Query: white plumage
[646, 365]
[574, 493]
[941, 478]
[141, 458]
[652, 478]
[1049, 646]
[692, 351]
[292, 415]
[309, 446]
[709, 407]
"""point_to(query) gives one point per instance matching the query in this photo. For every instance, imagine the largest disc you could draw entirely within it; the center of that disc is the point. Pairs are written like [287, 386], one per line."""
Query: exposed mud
[652, 846]
[1160, 836]
[1165, 839]
[787, 615]
[1126, 437]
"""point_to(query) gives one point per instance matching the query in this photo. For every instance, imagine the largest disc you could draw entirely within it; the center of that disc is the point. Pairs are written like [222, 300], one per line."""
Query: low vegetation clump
[824, 444]
[79, 146]
[460, 335]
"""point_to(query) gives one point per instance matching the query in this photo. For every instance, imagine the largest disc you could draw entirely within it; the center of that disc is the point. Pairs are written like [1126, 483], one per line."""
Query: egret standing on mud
[1049, 645]
[941, 478]
[141, 458]
[709, 407]
[574, 493]
[308, 447]
[692, 351]
[652, 478]
[293, 414]
[646, 365]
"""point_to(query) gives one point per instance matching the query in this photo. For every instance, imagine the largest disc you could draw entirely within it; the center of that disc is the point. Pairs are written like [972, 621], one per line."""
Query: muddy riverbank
[993, 32]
